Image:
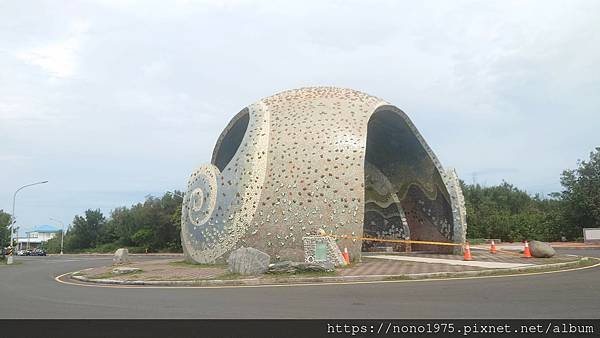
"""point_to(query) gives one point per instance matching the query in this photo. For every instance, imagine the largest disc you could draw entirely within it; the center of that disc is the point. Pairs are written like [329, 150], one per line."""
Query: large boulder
[299, 267]
[541, 250]
[248, 261]
[121, 256]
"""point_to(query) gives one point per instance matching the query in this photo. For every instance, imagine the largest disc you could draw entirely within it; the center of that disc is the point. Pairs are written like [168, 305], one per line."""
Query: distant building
[34, 239]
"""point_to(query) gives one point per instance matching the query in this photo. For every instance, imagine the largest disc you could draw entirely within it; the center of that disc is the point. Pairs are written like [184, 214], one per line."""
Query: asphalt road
[28, 290]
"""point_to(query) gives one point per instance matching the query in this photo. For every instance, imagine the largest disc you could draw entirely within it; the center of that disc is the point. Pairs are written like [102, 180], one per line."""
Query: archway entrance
[405, 197]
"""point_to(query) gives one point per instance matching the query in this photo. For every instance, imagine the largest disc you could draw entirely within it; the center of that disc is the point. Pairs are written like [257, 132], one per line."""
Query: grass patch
[228, 276]
[109, 274]
[556, 260]
[169, 278]
[401, 277]
[184, 264]
[101, 275]
[352, 264]
[104, 248]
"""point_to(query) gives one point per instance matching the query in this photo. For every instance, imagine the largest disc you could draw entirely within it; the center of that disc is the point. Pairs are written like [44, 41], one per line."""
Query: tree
[4, 230]
[52, 245]
[143, 238]
[153, 225]
[510, 214]
[86, 231]
[555, 227]
[174, 245]
[581, 194]
[123, 223]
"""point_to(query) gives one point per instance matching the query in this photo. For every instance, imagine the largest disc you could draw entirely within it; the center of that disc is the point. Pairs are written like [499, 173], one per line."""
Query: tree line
[152, 226]
[4, 230]
[510, 214]
[503, 211]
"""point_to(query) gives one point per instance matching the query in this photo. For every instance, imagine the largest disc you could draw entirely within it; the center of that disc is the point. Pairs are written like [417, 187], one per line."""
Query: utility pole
[62, 234]
[14, 220]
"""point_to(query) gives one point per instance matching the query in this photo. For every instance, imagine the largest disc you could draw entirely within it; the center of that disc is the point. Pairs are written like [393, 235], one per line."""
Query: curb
[332, 279]
[175, 254]
[578, 247]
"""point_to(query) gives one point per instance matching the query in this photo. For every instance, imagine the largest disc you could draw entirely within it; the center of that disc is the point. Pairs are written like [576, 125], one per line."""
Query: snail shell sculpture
[319, 158]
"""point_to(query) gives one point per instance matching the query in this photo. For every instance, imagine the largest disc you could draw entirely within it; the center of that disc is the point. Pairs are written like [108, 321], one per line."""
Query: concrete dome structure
[319, 158]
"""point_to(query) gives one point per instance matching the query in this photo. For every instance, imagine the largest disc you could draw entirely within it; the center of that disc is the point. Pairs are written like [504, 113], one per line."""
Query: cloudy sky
[115, 100]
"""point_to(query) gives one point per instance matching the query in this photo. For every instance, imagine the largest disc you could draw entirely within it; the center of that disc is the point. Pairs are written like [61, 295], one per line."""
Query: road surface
[28, 290]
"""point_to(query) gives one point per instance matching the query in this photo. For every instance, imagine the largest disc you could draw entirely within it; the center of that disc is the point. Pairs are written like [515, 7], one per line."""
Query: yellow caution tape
[394, 240]
[415, 242]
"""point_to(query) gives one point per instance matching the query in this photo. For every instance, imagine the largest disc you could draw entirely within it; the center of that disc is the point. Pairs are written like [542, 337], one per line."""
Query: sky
[112, 101]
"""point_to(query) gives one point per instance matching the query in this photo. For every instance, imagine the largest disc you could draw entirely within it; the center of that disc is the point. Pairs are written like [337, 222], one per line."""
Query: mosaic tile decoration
[299, 161]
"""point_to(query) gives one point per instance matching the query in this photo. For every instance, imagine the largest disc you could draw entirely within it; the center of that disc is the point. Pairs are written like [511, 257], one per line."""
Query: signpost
[321, 252]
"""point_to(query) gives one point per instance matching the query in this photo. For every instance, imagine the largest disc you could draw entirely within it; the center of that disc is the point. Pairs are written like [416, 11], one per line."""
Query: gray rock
[123, 270]
[299, 267]
[541, 250]
[121, 256]
[281, 267]
[248, 261]
[328, 266]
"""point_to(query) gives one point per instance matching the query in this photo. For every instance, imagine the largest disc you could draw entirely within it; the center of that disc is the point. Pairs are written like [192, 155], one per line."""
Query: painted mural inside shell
[316, 158]
[405, 195]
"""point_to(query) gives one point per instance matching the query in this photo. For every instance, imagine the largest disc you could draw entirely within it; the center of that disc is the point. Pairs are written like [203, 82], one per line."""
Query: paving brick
[163, 269]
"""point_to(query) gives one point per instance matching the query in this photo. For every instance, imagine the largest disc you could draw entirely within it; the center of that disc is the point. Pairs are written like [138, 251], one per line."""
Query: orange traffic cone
[526, 252]
[493, 247]
[467, 255]
[346, 255]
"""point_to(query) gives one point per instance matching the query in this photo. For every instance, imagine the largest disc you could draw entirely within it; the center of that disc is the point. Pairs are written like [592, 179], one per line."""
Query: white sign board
[591, 234]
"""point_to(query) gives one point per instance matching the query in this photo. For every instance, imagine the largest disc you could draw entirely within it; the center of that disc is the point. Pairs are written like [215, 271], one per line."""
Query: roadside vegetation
[505, 212]
[4, 230]
[151, 226]
[502, 212]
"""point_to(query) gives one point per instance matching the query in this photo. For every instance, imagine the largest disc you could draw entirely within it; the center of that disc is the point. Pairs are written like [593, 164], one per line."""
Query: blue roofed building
[37, 236]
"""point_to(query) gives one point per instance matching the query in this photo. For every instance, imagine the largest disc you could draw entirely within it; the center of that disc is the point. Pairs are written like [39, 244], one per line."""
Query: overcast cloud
[114, 100]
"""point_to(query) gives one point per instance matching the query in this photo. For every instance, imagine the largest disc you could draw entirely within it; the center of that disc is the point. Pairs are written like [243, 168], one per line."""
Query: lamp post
[62, 234]
[14, 219]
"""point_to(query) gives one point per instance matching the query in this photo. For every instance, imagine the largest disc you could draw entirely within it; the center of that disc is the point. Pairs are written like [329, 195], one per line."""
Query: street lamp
[14, 219]
[62, 234]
